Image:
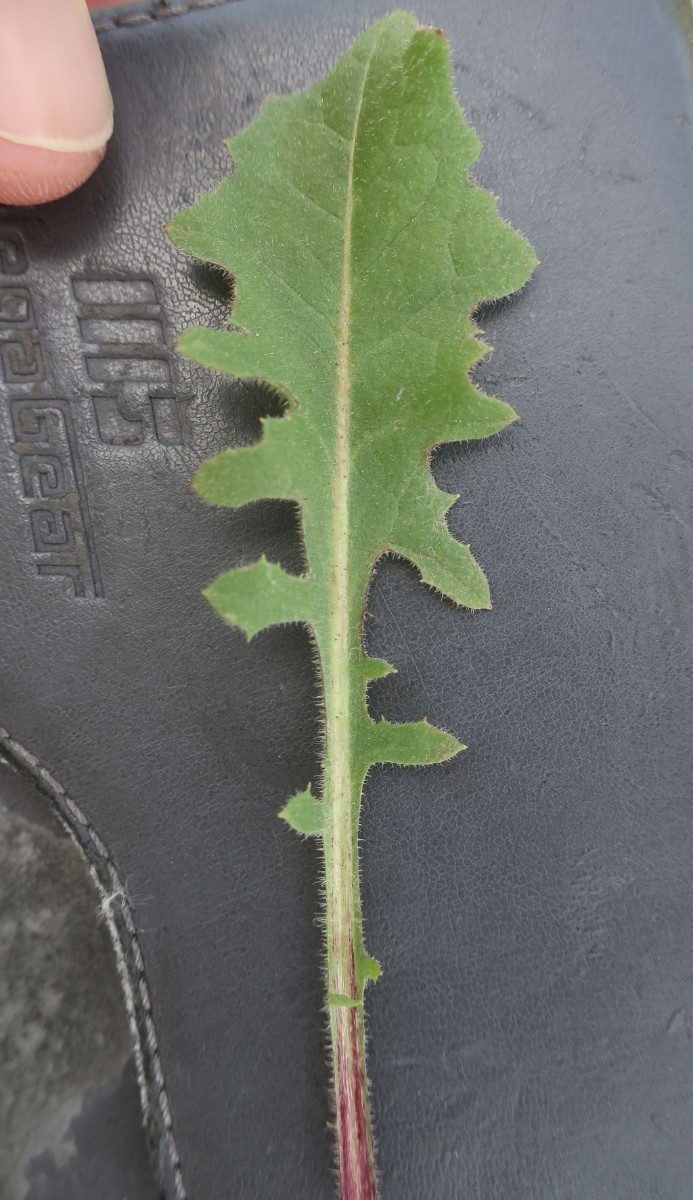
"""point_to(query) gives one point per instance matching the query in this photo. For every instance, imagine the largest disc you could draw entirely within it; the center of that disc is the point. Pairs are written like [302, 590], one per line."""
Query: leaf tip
[453, 748]
[182, 342]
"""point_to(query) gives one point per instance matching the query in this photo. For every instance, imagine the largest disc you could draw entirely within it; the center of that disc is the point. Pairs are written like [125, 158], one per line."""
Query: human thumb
[56, 112]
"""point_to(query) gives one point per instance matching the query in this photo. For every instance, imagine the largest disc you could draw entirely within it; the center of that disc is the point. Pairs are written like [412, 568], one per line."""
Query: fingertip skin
[32, 175]
[56, 110]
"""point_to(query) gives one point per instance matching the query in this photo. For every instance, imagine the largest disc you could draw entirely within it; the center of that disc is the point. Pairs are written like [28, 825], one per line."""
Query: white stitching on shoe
[129, 958]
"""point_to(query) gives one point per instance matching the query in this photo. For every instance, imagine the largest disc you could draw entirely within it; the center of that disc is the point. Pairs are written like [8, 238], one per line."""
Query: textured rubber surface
[531, 902]
[70, 1117]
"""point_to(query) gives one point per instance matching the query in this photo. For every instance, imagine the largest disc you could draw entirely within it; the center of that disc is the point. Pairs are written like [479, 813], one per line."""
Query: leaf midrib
[339, 787]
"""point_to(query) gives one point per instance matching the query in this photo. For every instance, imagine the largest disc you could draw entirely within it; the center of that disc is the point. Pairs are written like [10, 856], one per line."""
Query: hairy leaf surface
[359, 249]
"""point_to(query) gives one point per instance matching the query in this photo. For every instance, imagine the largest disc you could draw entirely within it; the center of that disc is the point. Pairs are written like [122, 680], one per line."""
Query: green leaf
[414, 744]
[255, 597]
[304, 814]
[342, 1001]
[360, 250]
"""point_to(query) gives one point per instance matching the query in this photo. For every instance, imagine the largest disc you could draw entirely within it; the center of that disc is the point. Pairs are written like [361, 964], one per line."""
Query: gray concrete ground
[69, 1108]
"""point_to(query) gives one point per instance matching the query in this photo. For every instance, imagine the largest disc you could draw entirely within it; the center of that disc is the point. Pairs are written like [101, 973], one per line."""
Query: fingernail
[54, 94]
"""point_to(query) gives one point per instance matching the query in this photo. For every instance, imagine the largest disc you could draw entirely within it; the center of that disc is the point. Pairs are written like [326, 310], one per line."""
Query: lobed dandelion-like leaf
[359, 249]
